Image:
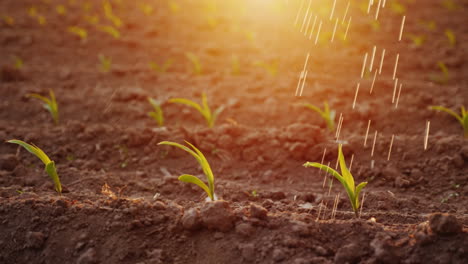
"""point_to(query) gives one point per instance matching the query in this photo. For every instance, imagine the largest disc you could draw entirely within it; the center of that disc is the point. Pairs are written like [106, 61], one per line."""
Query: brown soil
[271, 208]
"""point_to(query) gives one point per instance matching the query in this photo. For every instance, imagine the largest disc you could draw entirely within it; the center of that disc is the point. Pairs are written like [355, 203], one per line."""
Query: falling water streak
[426, 139]
[326, 175]
[333, 208]
[347, 28]
[383, 3]
[373, 82]
[367, 133]
[381, 61]
[305, 16]
[335, 205]
[303, 83]
[356, 94]
[110, 101]
[394, 90]
[346, 12]
[338, 131]
[313, 27]
[372, 164]
[331, 185]
[351, 163]
[302, 73]
[333, 9]
[401, 29]
[320, 209]
[372, 58]
[390, 148]
[298, 13]
[334, 30]
[362, 204]
[377, 12]
[370, 4]
[364, 65]
[373, 144]
[308, 23]
[398, 97]
[318, 32]
[396, 65]
[338, 127]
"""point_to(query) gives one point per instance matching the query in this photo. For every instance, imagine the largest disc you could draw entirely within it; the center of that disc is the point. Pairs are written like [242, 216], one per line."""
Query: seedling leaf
[157, 114]
[49, 104]
[197, 68]
[462, 118]
[204, 109]
[192, 179]
[326, 114]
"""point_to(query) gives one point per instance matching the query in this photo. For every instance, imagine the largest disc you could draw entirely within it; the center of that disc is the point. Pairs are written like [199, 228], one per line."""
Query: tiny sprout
[462, 117]
[198, 155]
[61, 10]
[110, 30]
[8, 20]
[444, 77]
[106, 63]
[161, 68]
[417, 40]
[449, 5]
[49, 104]
[110, 14]
[345, 178]
[397, 8]
[18, 63]
[49, 164]
[326, 114]
[197, 67]
[451, 37]
[204, 109]
[80, 32]
[157, 114]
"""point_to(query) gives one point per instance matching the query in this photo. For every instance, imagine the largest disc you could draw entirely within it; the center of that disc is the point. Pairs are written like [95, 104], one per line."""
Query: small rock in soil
[8, 162]
[247, 251]
[191, 219]
[350, 253]
[245, 229]
[401, 182]
[88, 257]
[35, 240]
[258, 212]
[279, 254]
[444, 224]
[217, 215]
[383, 249]
[306, 197]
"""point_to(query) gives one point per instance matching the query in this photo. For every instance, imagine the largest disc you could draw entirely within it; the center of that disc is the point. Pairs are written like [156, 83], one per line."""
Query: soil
[122, 202]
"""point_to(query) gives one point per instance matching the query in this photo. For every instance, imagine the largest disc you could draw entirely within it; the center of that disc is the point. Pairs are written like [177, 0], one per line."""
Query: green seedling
[197, 68]
[157, 114]
[49, 164]
[444, 76]
[417, 40]
[451, 37]
[345, 178]
[429, 25]
[80, 32]
[198, 155]
[204, 109]
[161, 68]
[61, 10]
[18, 63]
[109, 30]
[326, 114]
[8, 20]
[449, 5]
[462, 117]
[110, 14]
[49, 104]
[106, 63]
[272, 68]
[397, 8]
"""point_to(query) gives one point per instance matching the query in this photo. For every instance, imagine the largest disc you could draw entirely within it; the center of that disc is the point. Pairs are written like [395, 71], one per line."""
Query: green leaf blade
[192, 179]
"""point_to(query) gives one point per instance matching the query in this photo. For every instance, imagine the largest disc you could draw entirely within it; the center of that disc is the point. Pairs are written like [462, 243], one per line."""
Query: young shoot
[345, 178]
[198, 155]
[106, 63]
[197, 67]
[157, 114]
[19, 63]
[161, 68]
[110, 30]
[49, 104]
[49, 164]
[462, 117]
[444, 76]
[326, 114]
[204, 109]
[417, 40]
[451, 37]
[80, 32]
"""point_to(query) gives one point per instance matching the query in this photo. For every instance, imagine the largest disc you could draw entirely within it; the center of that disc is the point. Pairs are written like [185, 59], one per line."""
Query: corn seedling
[61, 10]
[8, 20]
[198, 155]
[272, 68]
[49, 104]
[110, 14]
[444, 76]
[161, 68]
[197, 68]
[449, 5]
[49, 164]
[110, 30]
[157, 114]
[397, 8]
[80, 32]
[106, 63]
[451, 37]
[91, 19]
[417, 40]
[204, 109]
[18, 63]
[462, 117]
[345, 178]
[326, 114]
